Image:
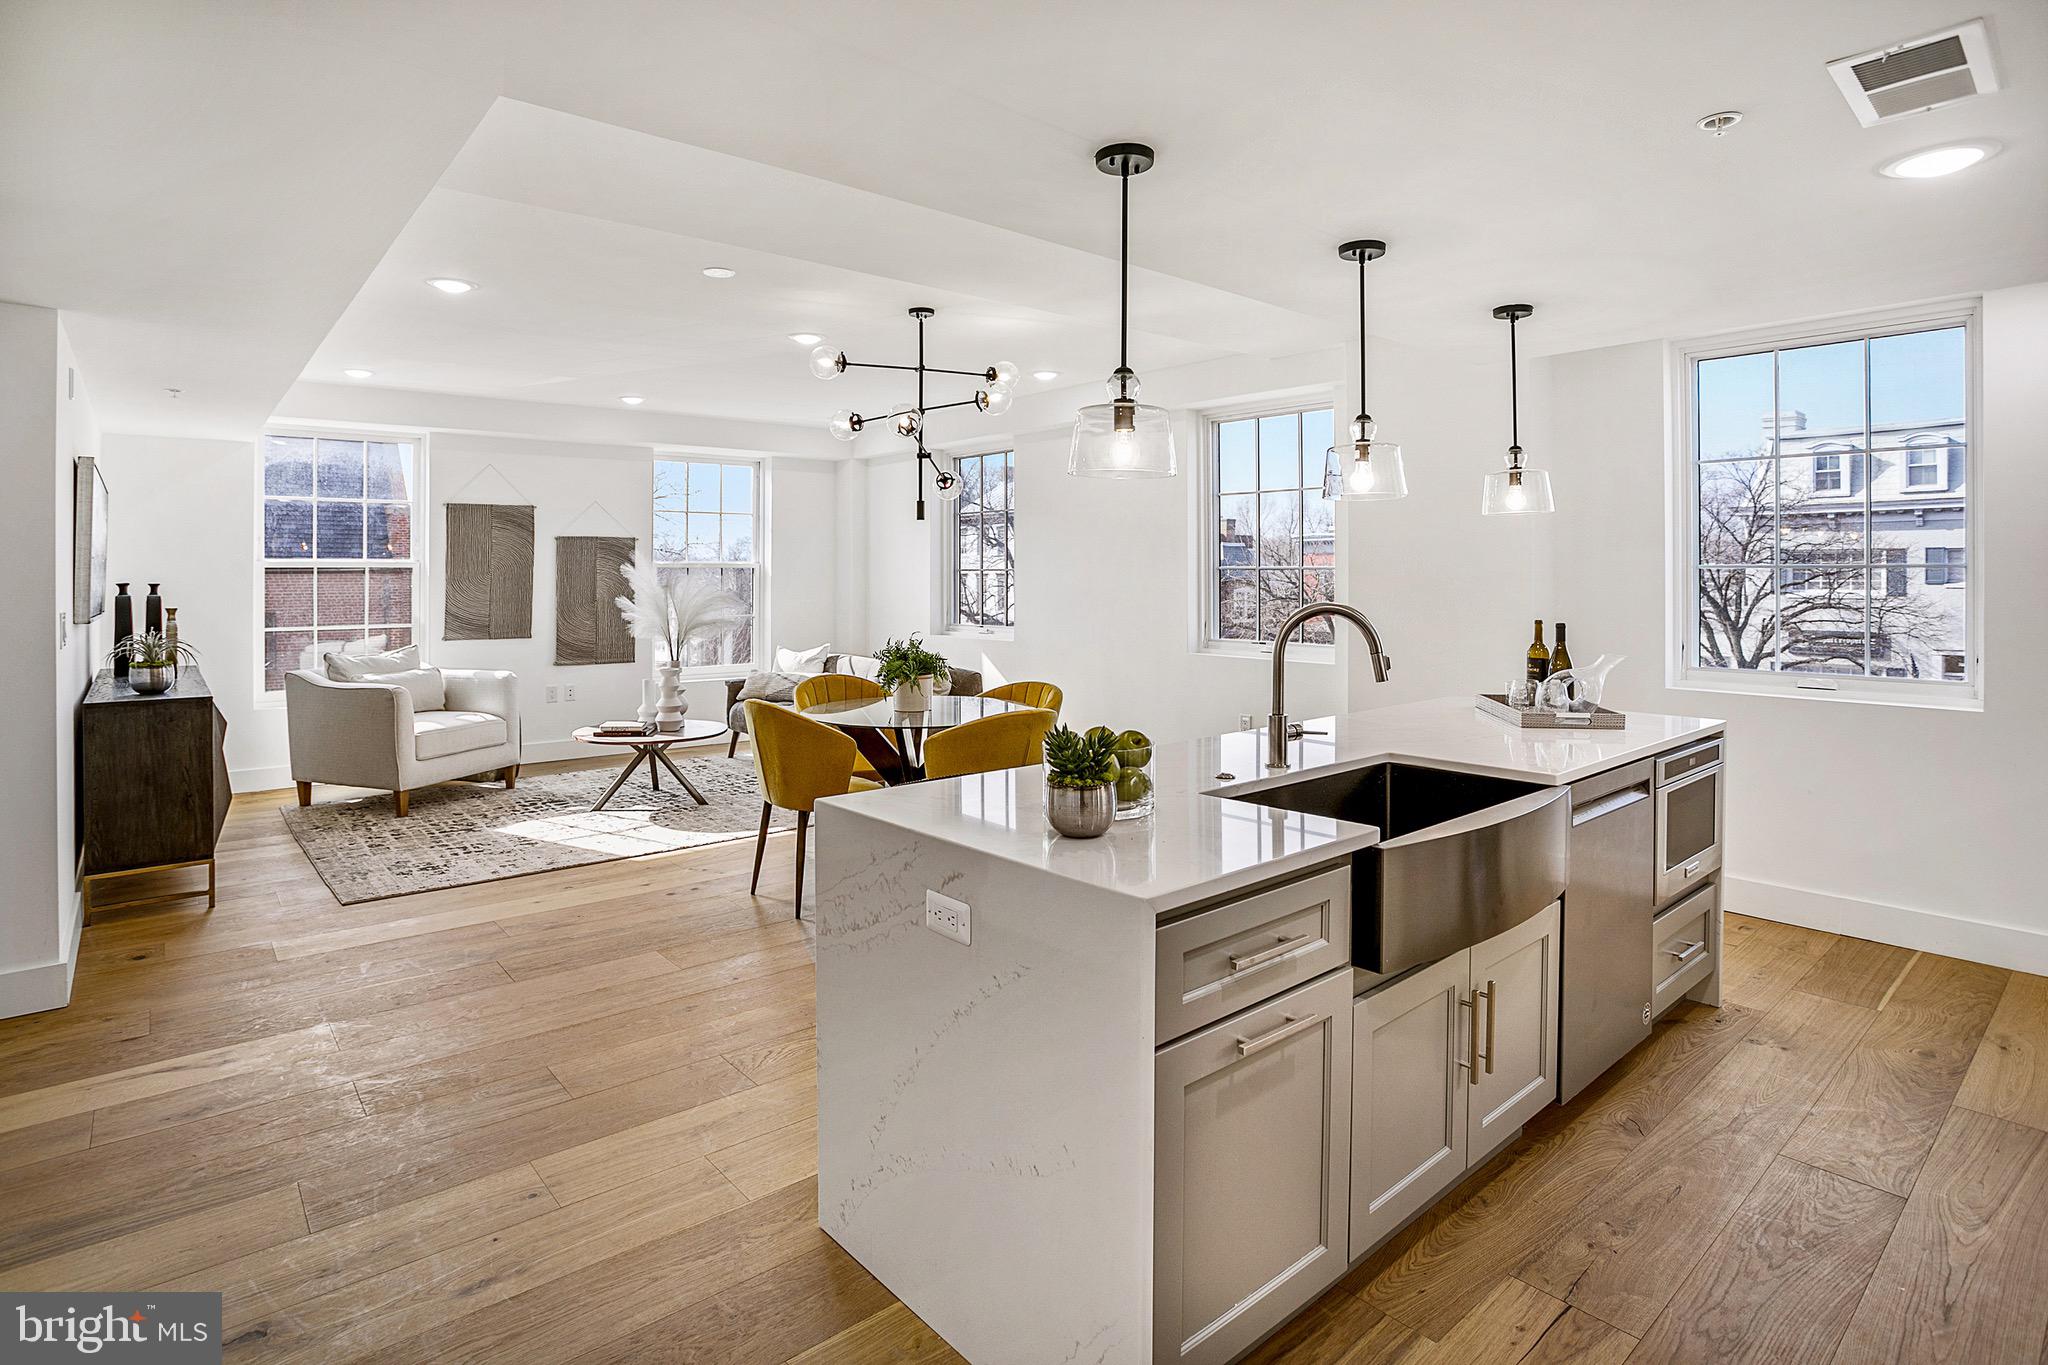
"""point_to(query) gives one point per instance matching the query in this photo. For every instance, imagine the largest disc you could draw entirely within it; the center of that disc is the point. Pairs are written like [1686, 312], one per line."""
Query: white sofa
[366, 734]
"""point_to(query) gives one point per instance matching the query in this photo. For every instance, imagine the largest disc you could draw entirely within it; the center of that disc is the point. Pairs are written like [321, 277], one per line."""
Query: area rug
[462, 833]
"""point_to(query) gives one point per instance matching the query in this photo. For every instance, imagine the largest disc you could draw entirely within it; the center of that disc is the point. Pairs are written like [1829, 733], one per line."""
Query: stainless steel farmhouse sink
[1461, 857]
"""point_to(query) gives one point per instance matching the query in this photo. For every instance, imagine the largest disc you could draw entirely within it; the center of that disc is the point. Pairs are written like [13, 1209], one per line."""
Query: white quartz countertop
[1199, 843]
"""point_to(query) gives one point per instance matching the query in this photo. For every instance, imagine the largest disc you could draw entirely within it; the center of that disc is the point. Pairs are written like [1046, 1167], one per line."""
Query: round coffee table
[653, 751]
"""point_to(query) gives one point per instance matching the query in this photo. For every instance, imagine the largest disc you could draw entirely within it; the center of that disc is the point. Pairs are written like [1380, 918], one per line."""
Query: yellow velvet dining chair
[824, 687]
[1008, 739]
[799, 761]
[1043, 695]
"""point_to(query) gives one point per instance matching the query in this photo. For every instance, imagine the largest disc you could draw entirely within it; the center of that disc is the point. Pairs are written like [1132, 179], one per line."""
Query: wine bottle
[1539, 657]
[1560, 658]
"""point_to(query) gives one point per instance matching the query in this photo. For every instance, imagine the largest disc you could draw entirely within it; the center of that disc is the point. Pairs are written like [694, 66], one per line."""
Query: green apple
[1132, 785]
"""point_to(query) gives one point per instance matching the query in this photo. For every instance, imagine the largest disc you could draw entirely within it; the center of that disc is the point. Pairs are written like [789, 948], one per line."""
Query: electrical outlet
[1244, 721]
[550, 694]
[569, 692]
[944, 915]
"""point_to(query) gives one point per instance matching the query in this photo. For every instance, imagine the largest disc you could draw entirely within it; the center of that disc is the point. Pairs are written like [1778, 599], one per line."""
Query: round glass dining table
[892, 741]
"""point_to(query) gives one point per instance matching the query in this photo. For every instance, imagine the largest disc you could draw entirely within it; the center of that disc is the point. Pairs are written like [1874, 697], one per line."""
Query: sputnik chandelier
[829, 362]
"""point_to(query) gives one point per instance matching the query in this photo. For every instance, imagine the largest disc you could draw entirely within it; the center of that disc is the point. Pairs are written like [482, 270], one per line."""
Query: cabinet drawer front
[1216, 962]
[1685, 945]
[1253, 1172]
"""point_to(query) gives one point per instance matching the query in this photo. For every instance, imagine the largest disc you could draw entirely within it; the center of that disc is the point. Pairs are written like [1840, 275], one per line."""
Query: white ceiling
[206, 186]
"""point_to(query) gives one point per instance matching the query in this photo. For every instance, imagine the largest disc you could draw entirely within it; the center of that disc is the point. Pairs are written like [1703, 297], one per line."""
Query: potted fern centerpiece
[910, 672]
[152, 658]
[1080, 782]
[672, 613]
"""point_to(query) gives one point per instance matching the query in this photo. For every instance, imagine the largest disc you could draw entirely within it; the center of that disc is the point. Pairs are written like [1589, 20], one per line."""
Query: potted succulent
[1080, 782]
[152, 658]
[910, 672]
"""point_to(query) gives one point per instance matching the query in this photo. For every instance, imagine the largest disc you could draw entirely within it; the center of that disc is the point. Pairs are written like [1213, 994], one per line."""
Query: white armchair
[366, 734]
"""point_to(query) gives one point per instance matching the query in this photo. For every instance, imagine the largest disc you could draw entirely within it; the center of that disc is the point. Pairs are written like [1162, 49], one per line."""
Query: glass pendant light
[1365, 468]
[1516, 490]
[1123, 438]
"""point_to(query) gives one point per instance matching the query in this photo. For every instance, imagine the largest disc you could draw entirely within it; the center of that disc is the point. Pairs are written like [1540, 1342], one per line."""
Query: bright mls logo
[167, 1329]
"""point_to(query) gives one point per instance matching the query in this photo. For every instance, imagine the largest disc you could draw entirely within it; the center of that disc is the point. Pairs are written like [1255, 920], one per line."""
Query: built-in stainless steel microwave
[1688, 818]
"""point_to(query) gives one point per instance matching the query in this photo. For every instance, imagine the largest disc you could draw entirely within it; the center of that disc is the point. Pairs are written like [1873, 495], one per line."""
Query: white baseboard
[2001, 945]
[46, 985]
[259, 779]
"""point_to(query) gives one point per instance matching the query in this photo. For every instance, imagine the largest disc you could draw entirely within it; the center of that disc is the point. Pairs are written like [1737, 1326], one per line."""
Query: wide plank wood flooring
[572, 1117]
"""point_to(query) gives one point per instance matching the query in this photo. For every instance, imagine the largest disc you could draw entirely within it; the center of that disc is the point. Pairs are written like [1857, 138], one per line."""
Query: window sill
[968, 636]
[1918, 697]
[1297, 653]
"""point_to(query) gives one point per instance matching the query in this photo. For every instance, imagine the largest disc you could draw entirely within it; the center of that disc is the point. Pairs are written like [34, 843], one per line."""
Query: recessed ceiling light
[719, 272]
[359, 374]
[1045, 376]
[1938, 161]
[447, 284]
[805, 338]
[631, 400]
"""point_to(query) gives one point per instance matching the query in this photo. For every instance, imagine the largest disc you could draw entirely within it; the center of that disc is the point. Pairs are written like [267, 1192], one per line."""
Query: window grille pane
[287, 597]
[340, 468]
[287, 529]
[1237, 456]
[389, 473]
[1813, 527]
[702, 530]
[390, 597]
[1237, 605]
[669, 537]
[338, 530]
[737, 487]
[1280, 528]
[288, 466]
[1733, 414]
[389, 530]
[736, 537]
[703, 481]
[1280, 451]
[284, 651]
[1820, 392]
[1738, 626]
[339, 593]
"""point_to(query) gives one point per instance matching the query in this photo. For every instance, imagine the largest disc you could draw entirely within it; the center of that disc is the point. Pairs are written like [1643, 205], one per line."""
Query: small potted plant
[1080, 782]
[910, 672]
[152, 658]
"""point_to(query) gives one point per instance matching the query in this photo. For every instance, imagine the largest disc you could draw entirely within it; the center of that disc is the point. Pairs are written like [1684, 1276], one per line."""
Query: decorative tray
[1495, 704]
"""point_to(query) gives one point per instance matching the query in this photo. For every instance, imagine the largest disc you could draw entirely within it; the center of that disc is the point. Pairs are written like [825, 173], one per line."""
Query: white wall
[1906, 825]
[46, 423]
[188, 520]
[1105, 567]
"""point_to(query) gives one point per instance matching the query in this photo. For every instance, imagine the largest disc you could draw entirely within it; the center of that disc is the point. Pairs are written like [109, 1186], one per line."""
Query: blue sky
[1915, 377]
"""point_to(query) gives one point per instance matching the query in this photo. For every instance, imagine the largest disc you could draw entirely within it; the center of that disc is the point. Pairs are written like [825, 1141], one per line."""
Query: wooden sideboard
[152, 782]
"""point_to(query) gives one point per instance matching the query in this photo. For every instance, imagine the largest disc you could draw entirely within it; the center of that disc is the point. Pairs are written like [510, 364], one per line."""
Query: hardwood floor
[572, 1117]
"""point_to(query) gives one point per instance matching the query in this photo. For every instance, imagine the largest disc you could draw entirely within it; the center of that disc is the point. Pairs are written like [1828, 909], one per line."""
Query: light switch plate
[944, 915]
[550, 694]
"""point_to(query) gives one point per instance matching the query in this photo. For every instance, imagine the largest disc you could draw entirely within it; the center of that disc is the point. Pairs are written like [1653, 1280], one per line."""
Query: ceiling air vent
[1910, 78]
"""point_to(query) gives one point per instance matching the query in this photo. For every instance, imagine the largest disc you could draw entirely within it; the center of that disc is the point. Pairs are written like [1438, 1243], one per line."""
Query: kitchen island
[1143, 1097]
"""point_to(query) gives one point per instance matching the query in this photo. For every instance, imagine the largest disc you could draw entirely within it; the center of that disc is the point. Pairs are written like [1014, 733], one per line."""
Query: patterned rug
[461, 833]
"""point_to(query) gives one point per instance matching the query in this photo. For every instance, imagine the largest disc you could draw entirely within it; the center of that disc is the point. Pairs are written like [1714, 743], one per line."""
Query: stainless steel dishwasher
[1608, 907]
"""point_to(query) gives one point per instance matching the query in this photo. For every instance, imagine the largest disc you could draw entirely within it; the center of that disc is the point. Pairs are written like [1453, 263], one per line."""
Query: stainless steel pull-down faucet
[1278, 731]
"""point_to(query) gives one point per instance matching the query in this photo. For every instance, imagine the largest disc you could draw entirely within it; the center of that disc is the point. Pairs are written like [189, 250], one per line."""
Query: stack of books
[622, 729]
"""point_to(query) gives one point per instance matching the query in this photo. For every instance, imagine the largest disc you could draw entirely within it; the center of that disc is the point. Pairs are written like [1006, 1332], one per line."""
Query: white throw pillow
[802, 663]
[345, 667]
[428, 691]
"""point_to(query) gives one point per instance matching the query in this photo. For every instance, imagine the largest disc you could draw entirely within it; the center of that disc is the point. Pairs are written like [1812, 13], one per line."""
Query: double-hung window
[336, 547]
[707, 515]
[982, 575]
[1269, 536]
[1826, 513]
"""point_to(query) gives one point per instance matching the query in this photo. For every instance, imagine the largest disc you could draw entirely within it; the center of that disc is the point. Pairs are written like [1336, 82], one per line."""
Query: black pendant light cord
[1123, 340]
[1514, 390]
[1361, 334]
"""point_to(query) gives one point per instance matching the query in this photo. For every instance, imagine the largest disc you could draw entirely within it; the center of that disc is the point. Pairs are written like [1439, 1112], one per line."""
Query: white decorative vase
[669, 704]
[650, 698]
[913, 696]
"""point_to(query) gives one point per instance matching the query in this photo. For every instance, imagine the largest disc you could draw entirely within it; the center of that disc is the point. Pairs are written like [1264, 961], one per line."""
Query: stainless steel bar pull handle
[1490, 1011]
[1692, 867]
[1686, 952]
[1245, 962]
[1290, 1026]
[1472, 1067]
